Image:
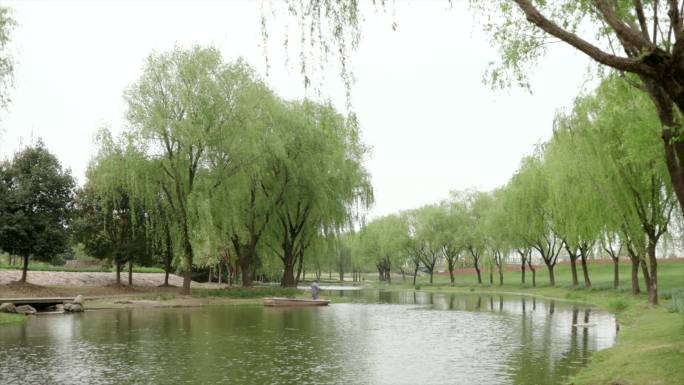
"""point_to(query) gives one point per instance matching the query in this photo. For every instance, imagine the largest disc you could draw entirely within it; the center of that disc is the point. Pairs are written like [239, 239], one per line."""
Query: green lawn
[254, 292]
[6, 319]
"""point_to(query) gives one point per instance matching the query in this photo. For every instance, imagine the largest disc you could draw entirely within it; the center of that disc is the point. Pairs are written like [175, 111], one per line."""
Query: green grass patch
[617, 305]
[8, 319]
[650, 350]
[253, 292]
[159, 296]
[677, 301]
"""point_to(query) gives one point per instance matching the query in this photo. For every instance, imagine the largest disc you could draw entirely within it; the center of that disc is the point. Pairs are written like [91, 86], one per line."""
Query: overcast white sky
[433, 125]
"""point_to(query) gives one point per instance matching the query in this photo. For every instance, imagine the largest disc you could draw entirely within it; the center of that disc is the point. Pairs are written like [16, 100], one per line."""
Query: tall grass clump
[253, 292]
[677, 304]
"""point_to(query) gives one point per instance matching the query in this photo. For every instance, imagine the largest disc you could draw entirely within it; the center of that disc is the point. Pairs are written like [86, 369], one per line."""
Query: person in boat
[315, 289]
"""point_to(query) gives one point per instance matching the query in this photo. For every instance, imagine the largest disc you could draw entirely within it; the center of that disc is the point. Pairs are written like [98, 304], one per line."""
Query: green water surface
[381, 338]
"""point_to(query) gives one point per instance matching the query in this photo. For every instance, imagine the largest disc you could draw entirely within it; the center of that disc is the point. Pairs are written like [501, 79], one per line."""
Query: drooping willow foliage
[599, 185]
[231, 173]
[7, 24]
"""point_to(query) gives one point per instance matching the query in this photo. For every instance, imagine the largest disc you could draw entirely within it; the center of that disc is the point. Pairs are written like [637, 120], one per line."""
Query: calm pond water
[390, 338]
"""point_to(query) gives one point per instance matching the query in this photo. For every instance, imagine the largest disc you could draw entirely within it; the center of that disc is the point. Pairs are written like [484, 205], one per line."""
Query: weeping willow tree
[449, 224]
[428, 225]
[472, 206]
[114, 222]
[234, 207]
[497, 232]
[384, 243]
[579, 211]
[617, 126]
[316, 171]
[531, 212]
[185, 106]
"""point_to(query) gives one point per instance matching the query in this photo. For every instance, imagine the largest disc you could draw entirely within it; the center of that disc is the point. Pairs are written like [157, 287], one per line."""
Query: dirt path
[61, 283]
[64, 278]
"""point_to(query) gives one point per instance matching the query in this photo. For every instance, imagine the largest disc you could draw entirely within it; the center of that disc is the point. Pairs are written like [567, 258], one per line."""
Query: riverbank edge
[650, 344]
[12, 319]
[160, 300]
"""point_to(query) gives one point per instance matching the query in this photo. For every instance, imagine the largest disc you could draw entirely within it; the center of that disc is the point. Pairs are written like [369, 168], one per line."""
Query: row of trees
[599, 185]
[214, 171]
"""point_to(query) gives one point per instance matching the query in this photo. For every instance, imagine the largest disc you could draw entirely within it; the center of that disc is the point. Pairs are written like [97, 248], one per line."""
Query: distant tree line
[598, 187]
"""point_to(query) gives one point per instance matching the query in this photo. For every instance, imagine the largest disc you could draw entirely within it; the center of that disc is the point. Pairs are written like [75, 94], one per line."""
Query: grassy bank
[254, 292]
[650, 347]
[8, 319]
[670, 276]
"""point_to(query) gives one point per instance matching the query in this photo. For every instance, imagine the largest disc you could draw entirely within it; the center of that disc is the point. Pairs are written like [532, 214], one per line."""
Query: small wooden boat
[278, 301]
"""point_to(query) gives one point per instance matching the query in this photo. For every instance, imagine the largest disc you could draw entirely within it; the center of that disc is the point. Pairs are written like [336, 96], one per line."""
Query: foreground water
[391, 338]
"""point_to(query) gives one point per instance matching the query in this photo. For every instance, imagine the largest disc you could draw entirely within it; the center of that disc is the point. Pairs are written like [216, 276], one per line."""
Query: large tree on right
[644, 38]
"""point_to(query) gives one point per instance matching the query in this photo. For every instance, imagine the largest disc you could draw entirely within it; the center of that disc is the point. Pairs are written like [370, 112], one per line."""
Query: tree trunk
[451, 272]
[130, 273]
[616, 272]
[479, 275]
[236, 273]
[288, 279]
[647, 278]
[187, 274]
[246, 274]
[168, 256]
[522, 270]
[166, 276]
[232, 274]
[652, 271]
[533, 270]
[118, 272]
[573, 268]
[674, 157]
[635, 276]
[300, 266]
[415, 273]
[24, 269]
[585, 270]
[500, 274]
[431, 273]
[552, 276]
[389, 275]
[219, 272]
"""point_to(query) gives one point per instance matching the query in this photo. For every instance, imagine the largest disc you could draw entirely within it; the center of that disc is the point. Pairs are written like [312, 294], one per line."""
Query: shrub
[617, 305]
[252, 292]
[677, 304]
